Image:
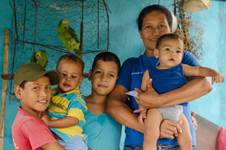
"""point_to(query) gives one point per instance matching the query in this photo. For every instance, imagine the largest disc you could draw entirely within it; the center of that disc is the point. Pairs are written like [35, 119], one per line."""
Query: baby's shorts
[171, 113]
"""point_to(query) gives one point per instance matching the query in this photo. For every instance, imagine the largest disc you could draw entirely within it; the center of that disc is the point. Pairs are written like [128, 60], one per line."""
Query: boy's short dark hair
[71, 57]
[106, 56]
[151, 8]
[166, 37]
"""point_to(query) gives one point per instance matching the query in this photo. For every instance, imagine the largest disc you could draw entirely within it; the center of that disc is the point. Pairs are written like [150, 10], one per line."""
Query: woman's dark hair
[70, 57]
[106, 56]
[151, 8]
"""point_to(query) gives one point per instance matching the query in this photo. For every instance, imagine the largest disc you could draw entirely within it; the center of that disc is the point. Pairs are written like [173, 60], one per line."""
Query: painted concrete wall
[6, 23]
[213, 23]
[125, 42]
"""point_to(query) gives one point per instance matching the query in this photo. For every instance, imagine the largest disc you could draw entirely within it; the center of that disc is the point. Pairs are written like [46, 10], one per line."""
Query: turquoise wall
[125, 42]
[6, 23]
[213, 23]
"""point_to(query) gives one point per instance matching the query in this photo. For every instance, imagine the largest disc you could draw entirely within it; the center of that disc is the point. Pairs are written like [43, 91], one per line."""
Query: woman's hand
[148, 98]
[169, 129]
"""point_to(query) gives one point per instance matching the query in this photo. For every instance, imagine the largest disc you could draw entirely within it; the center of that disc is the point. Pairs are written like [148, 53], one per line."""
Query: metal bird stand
[35, 24]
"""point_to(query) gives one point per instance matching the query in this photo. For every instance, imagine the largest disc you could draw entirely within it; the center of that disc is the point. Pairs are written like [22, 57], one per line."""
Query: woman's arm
[195, 88]
[121, 112]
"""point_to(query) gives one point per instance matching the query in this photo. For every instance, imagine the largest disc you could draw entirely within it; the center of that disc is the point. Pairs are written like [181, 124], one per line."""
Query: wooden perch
[7, 76]
[4, 87]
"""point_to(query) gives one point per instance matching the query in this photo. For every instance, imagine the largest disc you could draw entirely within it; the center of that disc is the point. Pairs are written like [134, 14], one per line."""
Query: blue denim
[159, 147]
[127, 147]
[75, 143]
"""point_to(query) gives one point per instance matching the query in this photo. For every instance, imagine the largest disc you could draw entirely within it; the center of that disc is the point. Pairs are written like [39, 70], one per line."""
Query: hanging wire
[107, 10]
[15, 40]
[81, 27]
[24, 24]
[98, 24]
[15, 19]
[175, 7]
[35, 22]
[185, 23]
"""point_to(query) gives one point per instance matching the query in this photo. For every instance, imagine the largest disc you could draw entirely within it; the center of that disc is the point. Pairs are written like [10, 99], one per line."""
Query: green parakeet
[68, 36]
[40, 57]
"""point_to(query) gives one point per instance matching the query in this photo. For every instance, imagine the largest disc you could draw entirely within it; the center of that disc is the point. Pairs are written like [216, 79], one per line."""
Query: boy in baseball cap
[32, 88]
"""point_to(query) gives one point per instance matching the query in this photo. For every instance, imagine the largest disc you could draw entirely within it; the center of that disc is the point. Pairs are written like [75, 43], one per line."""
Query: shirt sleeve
[190, 59]
[125, 73]
[37, 133]
[76, 109]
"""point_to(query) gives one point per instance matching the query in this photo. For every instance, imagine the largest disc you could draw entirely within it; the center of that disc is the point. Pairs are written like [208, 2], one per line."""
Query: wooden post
[4, 87]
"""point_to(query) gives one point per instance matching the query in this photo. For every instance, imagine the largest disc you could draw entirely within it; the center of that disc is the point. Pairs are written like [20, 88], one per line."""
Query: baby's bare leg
[184, 138]
[151, 131]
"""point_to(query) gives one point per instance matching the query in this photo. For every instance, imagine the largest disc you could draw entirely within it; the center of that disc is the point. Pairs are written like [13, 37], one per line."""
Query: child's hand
[45, 119]
[140, 109]
[149, 98]
[142, 116]
[218, 78]
[169, 129]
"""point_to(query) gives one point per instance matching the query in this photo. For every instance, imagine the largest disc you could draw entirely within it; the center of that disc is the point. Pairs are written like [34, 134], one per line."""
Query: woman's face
[154, 25]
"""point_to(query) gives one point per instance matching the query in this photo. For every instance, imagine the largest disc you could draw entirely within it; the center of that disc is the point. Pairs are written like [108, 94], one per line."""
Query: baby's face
[104, 77]
[71, 75]
[170, 53]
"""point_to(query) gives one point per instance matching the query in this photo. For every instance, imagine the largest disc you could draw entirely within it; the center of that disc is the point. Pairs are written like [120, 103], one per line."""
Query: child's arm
[51, 146]
[60, 123]
[203, 72]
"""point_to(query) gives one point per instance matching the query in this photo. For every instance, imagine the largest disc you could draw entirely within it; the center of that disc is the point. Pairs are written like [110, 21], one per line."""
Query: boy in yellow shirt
[67, 107]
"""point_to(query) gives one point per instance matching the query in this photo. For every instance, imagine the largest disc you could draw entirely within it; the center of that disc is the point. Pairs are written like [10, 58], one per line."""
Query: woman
[153, 21]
